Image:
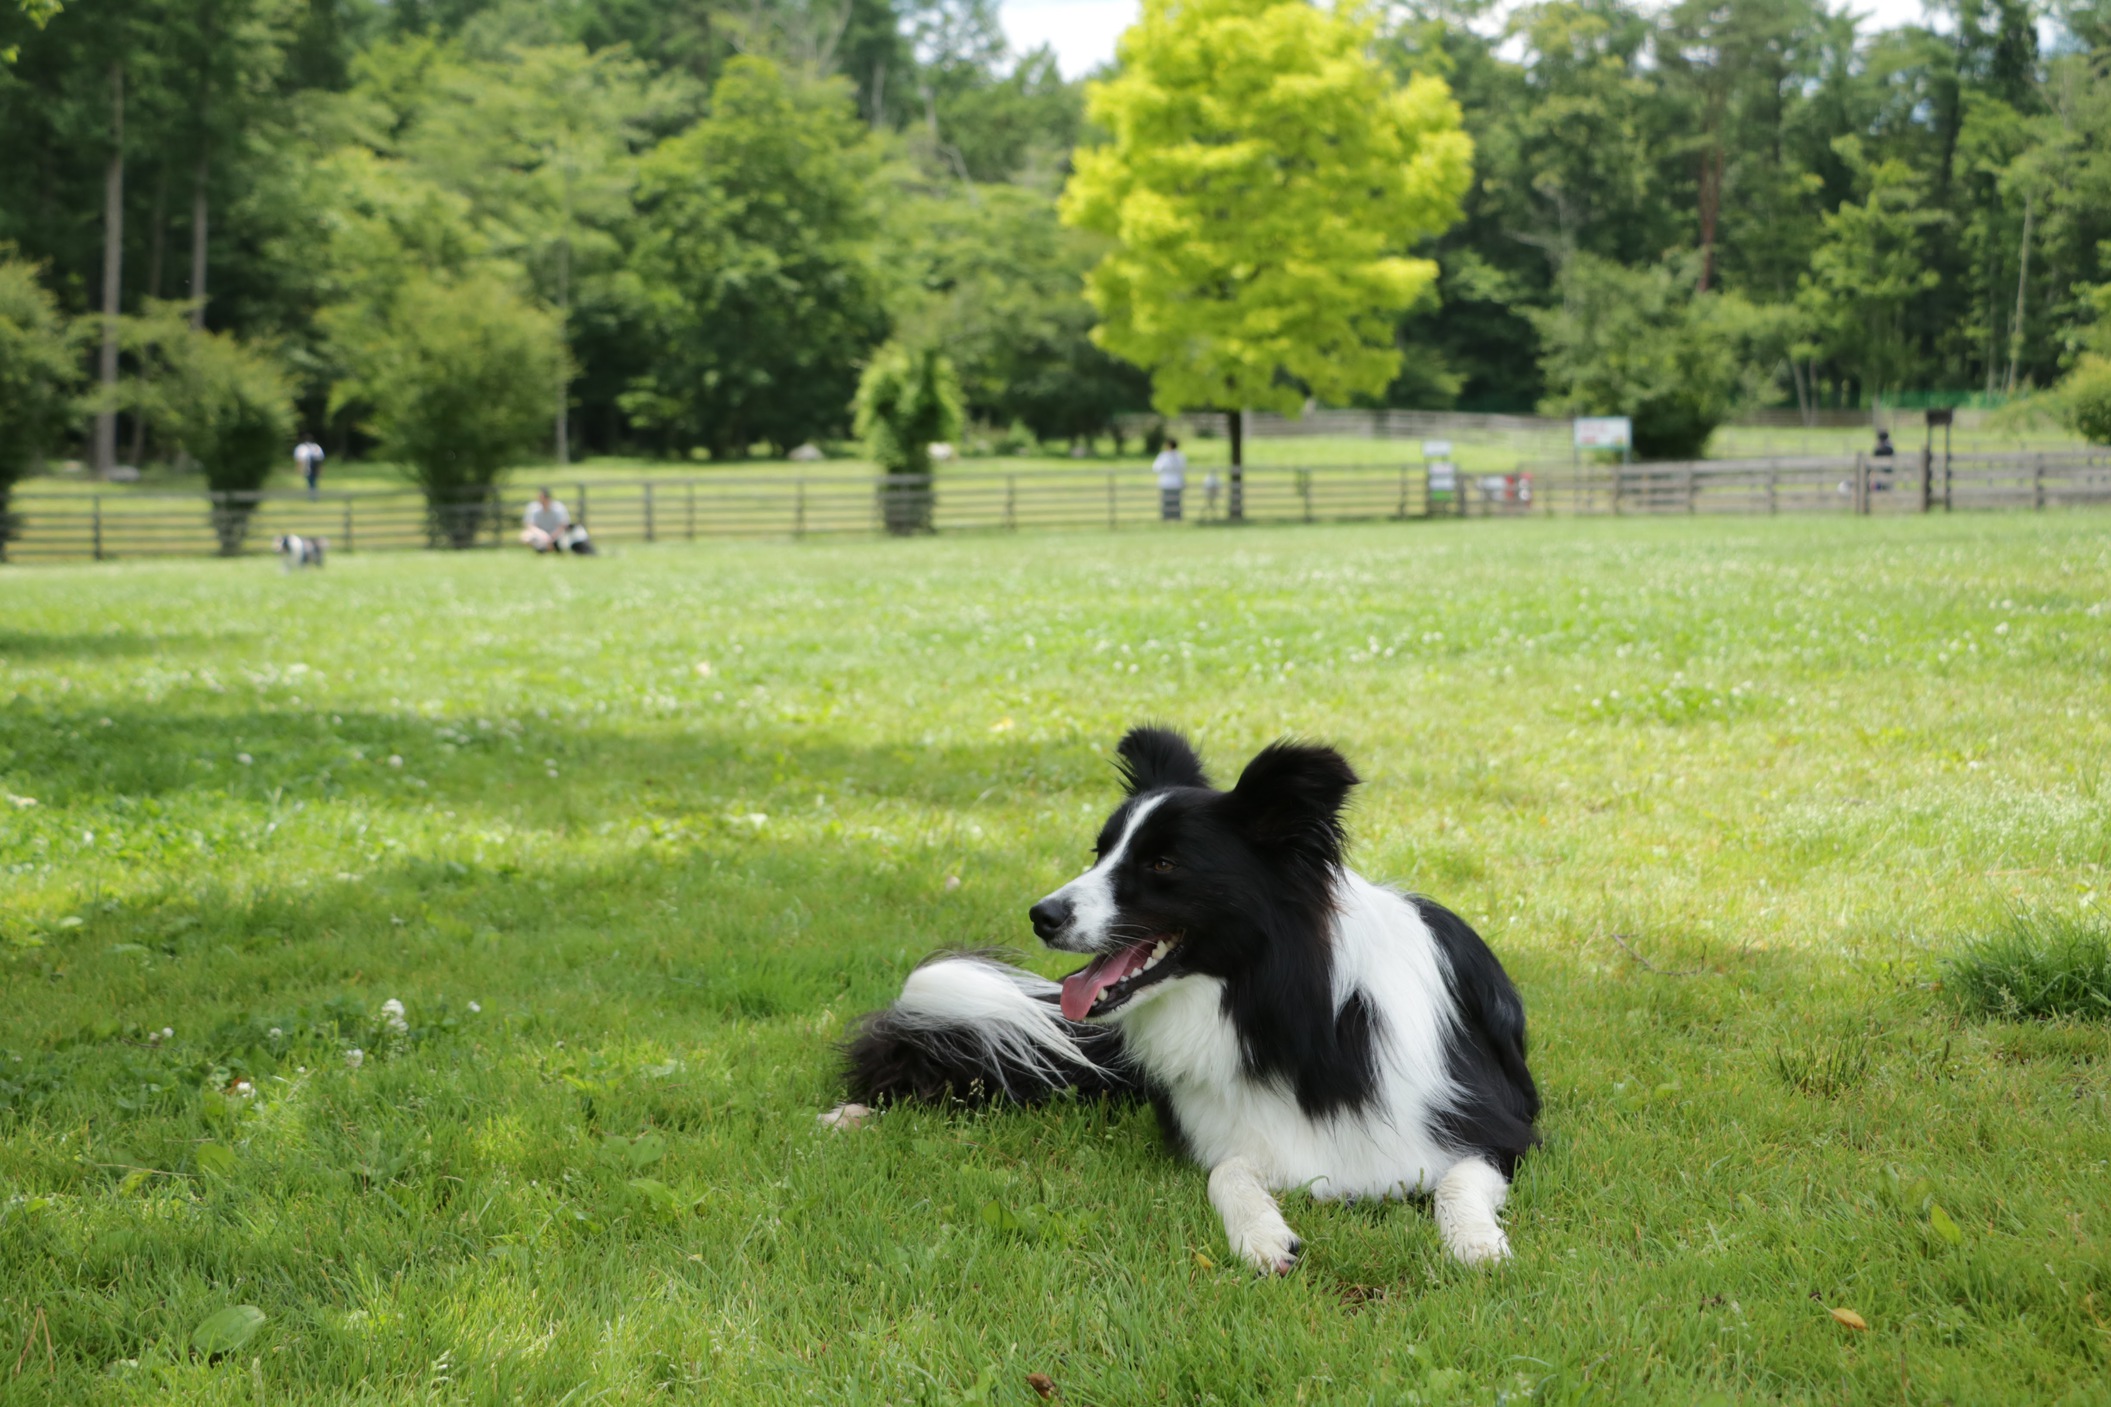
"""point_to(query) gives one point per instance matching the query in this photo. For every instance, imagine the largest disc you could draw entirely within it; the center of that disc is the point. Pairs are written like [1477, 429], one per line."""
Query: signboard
[1443, 477]
[1436, 449]
[1604, 432]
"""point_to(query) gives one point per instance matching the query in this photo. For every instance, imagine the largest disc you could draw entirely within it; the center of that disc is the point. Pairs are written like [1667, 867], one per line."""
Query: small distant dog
[296, 552]
[1293, 1024]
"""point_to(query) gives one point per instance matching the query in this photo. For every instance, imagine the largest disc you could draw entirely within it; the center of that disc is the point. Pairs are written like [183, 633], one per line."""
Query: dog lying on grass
[1293, 1024]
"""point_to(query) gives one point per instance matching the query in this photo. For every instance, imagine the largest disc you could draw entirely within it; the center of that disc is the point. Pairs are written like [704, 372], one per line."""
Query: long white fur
[1003, 1008]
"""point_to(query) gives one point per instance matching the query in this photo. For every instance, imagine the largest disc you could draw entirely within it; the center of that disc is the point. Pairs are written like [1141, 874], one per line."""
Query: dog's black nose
[1050, 917]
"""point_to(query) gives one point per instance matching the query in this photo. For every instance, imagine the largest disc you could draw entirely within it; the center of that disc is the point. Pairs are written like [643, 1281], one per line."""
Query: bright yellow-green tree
[1264, 181]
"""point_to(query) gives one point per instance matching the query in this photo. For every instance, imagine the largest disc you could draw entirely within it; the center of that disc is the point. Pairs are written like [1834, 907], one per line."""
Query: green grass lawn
[633, 839]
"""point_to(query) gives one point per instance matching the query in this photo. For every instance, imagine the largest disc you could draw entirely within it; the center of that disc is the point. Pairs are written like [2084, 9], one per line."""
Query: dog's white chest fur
[1182, 1039]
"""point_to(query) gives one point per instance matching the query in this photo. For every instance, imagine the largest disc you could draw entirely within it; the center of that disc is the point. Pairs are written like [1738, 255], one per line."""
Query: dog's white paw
[846, 1116]
[1272, 1250]
[1480, 1247]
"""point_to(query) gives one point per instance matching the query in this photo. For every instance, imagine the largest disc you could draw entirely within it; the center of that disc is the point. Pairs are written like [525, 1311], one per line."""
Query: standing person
[309, 456]
[543, 526]
[1171, 468]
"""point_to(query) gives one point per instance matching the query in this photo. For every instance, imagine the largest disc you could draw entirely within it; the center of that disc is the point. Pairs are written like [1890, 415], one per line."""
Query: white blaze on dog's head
[1082, 916]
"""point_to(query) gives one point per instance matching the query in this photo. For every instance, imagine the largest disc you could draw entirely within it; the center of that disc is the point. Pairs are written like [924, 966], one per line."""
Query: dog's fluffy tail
[968, 1027]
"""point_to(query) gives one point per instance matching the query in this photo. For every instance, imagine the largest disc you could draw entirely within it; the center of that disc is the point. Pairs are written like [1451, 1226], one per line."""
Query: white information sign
[1604, 432]
[1436, 449]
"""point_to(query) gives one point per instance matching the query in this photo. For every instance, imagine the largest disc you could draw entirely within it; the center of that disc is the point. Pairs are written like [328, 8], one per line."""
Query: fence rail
[60, 526]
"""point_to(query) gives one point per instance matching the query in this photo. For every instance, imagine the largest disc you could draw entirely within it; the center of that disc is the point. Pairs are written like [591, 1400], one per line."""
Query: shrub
[2040, 968]
[1640, 342]
[2085, 398]
[226, 405]
[461, 381]
[38, 375]
[907, 401]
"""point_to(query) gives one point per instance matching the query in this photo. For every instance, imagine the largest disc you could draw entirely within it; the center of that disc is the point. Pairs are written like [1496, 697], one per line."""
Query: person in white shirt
[543, 525]
[1171, 468]
[308, 455]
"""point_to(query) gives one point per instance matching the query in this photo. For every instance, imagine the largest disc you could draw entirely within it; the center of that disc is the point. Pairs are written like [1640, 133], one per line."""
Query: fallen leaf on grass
[228, 1330]
[1852, 1320]
[1042, 1384]
[1943, 1226]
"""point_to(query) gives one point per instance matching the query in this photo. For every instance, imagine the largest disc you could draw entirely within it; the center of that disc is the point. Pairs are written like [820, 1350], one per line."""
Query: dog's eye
[1161, 865]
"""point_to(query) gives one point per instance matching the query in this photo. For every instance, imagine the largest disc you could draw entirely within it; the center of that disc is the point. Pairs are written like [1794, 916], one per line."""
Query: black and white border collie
[296, 552]
[1293, 1024]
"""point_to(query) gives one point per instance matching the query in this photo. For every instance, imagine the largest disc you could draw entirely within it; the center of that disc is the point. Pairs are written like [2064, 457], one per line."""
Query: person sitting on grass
[544, 524]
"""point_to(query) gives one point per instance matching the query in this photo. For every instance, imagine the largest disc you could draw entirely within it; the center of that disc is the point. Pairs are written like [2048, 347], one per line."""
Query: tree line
[684, 227]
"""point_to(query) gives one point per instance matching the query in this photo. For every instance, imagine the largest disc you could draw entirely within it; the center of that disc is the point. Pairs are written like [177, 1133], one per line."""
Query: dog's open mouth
[1106, 982]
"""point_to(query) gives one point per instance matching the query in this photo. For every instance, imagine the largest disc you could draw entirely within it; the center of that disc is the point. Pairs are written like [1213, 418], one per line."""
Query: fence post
[690, 521]
[1858, 501]
[1927, 477]
[348, 526]
[799, 510]
[2037, 482]
[1304, 489]
[1401, 511]
[1011, 502]
[582, 504]
[1773, 487]
[1111, 522]
[1693, 484]
[95, 508]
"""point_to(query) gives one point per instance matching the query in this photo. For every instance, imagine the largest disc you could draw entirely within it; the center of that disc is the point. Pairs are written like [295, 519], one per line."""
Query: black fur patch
[1485, 1053]
[1152, 758]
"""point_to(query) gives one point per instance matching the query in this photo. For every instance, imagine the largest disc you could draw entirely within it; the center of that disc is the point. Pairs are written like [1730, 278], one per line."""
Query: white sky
[1083, 31]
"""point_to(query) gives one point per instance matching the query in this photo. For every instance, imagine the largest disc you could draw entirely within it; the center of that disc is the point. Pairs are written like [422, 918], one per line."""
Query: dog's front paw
[846, 1116]
[1485, 1247]
[1272, 1250]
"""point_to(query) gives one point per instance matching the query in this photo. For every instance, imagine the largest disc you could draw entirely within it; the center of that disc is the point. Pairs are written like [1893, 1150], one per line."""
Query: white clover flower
[476, 1006]
[275, 1033]
[395, 759]
[392, 1016]
[244, 758]
[244, 1089]
[355, 1057]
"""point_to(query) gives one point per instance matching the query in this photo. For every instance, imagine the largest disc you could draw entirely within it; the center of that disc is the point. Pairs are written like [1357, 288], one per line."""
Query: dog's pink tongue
[1082, 988]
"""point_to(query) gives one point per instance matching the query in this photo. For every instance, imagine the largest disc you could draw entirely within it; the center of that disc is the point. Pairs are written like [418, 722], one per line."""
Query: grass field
[632, 840]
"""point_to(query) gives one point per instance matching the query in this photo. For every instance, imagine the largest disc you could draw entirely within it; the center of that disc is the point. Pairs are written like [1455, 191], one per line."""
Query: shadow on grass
[70, 757]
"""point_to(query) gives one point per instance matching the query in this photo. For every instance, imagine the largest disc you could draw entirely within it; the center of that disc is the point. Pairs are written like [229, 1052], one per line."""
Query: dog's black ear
[1291, 796]
[1150, 758]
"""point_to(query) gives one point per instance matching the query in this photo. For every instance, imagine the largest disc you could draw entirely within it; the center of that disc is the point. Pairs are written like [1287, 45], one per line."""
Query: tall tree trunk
[113, 275]
[199, 214]
[2015, 328]
[564, 321]
[1711, 197]
[1236, 506]
[157, 244]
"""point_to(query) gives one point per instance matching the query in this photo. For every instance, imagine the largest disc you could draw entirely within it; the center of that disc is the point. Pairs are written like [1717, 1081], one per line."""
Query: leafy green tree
[907, 401]
[995, 279]
[2085, 398]
[754, 252]
[39, 371]
[456, 380]
[227, 406]
[1644, 342]
[1263, 180]
[1866, 273]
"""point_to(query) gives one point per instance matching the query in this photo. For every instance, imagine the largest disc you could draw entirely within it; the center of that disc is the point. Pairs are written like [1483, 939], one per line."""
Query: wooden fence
[100, 526]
